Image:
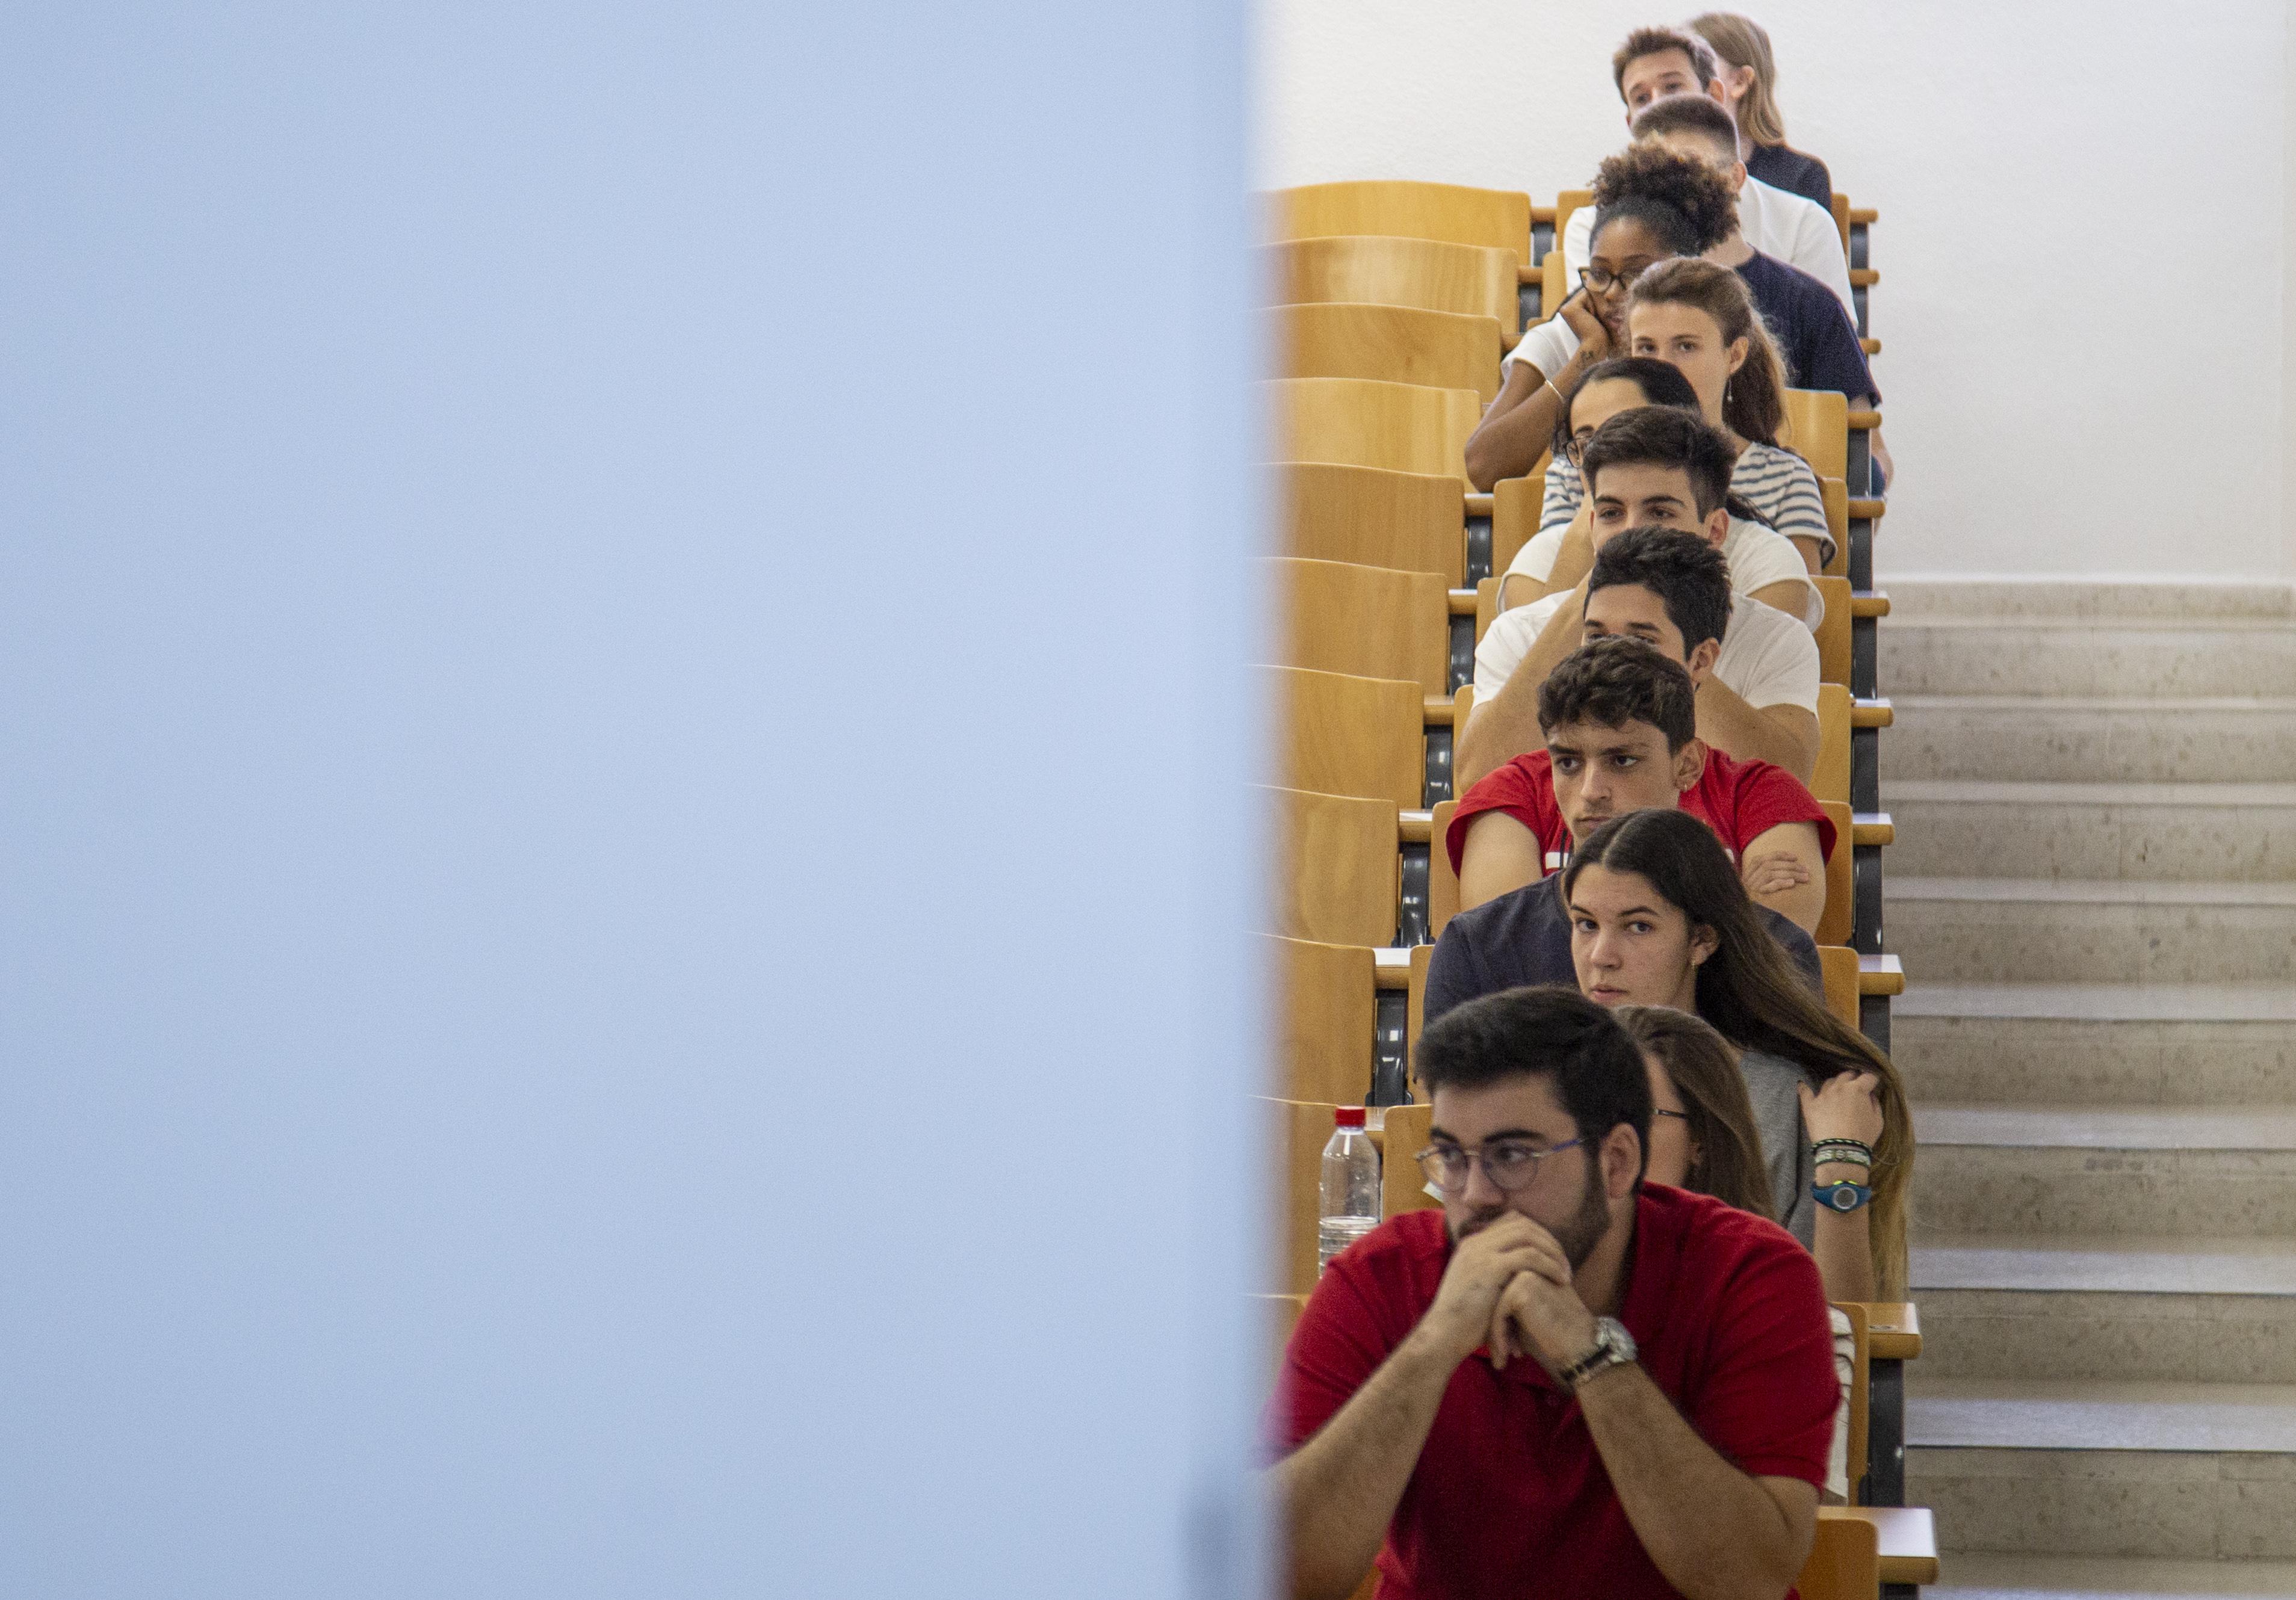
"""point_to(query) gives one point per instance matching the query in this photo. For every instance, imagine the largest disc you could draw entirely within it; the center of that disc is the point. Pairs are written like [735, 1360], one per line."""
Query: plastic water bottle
[1351, 1203]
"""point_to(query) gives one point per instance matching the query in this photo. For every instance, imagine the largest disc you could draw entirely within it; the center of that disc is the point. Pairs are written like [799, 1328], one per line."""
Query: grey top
[1773, 1085]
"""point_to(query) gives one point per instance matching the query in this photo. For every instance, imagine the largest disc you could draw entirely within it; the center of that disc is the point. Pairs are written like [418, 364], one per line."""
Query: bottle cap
[1347, 1116]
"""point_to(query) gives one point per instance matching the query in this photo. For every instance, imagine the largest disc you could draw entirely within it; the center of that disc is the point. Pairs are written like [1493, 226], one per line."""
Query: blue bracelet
[1841, 1197]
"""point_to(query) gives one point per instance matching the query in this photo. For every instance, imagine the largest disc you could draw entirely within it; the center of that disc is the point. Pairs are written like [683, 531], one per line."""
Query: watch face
[1844, 1198]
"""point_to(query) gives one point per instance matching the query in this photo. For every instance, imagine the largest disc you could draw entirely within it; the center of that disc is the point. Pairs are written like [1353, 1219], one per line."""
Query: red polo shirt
[1509, 1495]
[1740, 800]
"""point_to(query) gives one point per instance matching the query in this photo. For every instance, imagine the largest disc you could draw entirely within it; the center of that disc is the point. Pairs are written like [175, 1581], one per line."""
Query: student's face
[1629, 946]
[1644, 494]
[1568, 1192]
[1628, 608]
[1689, 341]
[1671, 1153]
[1718, 154]
[1623, 249]
[1601, 772]
[1654, 76]
[1597, 403]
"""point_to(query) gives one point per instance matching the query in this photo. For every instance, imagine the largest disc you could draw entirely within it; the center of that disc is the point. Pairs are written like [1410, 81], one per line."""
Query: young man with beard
[1564, 1381]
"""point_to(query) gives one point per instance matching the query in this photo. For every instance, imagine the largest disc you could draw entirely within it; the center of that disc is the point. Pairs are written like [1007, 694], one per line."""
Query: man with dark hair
[1652, 469]
[1565, 1381]
[1657, 62]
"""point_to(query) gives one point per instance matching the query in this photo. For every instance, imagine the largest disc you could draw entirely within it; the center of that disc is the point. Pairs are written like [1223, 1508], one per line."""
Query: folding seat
[1337, 872]
[1342, 735]
[1425, 273]
[1450, 213]
[1409, 521]
[1844, 1563]
[1356, 422]
[1388, 344]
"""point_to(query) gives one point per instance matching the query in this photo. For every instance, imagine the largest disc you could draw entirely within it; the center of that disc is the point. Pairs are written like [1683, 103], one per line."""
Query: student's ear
[1622, 1161]
[1703, 658]
[1689, 766]
[1718, 524]
[1739, 349]
[1704, 942]
[1719, 92]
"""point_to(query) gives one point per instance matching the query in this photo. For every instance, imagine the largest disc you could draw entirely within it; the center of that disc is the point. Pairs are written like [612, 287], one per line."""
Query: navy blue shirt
[1523, 937]
[1794, 172]
[1814, 338]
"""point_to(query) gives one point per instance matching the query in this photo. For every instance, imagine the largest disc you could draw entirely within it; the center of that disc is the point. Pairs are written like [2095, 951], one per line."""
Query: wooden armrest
[1870, 510]
[1463, 602]
[1478, 506]
[1864, 277]
[1438, 711]
[1862, 421]
[1872, 346]
[1871, 827]
[1870, 713]
[1546, 214]
[1390, 968]
[1530, 275]
[1895, 1330]
[1872, 602]
[1414, 828]
[1906, 1534]
[1877, 974]
[1857, 214]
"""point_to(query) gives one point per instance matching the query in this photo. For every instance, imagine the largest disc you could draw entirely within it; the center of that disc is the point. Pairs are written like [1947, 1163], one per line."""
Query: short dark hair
[1686, 114]
[1688, 575]
[1681, 199]
[1618, 680]
[1665, 436]
[1704, 64]
[1554, 1033]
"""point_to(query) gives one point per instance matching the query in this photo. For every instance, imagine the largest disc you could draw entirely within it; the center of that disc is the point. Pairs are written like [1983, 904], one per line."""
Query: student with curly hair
[1750, 94]
[1649, 207]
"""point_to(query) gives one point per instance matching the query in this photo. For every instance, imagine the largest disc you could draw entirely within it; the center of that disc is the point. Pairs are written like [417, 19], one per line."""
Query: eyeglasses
[1510, 1164]
[1677, 1116]
[1599, 282]
[1575, 447]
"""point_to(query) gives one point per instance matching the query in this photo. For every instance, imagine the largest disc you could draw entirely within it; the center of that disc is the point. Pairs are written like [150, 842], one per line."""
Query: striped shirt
[1778, 483]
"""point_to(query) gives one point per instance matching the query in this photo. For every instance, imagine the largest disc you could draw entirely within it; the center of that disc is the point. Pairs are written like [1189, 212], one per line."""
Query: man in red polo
[1565, 1383]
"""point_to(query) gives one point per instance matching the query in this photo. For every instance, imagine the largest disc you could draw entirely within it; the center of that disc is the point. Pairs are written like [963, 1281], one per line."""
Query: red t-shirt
[1509, 1495]
[1740, 800]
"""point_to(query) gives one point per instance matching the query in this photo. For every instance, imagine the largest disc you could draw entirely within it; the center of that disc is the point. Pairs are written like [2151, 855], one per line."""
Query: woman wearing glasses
[1648, 206]
[1658, 917]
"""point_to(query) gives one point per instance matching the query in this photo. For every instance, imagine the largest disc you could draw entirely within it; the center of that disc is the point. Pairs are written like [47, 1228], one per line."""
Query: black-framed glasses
[1677, 1116]
[1598, 281]
[1576, 446]
[1508, 1163]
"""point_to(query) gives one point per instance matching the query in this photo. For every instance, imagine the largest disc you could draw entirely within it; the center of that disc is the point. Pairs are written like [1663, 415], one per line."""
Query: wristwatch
[1613, 1346]
[1841, 1197]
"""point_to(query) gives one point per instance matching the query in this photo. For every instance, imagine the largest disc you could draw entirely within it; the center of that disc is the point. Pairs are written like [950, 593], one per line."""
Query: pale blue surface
[616, 683]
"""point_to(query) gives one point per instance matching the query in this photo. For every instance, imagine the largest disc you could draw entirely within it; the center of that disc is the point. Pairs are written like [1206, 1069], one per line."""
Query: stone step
[2091, 1044]
[2042, 739]
[2185, 1470]
[1922, 599]
[2208, 832]
[2199, 1310]
[2082, 656]
[2067, 930]
[1975, 1575]
[2133, 1172]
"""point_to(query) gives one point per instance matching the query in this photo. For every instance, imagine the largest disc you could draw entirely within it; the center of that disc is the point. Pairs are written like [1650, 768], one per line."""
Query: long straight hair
[1753, 405]
[1742, 42]
[1754, 996]
[1726, 1151]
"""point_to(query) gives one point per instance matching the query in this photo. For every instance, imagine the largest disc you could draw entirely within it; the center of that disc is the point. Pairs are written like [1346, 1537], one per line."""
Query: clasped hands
[1508, 1286]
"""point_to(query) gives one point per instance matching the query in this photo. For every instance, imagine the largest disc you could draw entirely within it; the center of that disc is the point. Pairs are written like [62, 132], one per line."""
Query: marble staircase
[2093, 891]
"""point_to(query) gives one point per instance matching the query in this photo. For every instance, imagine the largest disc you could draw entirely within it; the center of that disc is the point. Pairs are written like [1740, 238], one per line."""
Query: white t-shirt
[1756, 556]
[1785, 225]
[1547, 346]
[1767, 658]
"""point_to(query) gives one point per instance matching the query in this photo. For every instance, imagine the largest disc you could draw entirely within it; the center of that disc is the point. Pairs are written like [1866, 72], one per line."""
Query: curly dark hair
[1683, 200]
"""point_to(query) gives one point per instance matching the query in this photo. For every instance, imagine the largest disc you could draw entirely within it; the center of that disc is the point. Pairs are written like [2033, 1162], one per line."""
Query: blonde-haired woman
[1749, 82]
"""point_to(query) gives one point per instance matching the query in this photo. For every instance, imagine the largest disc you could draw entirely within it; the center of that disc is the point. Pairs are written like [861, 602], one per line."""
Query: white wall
[2050, 177]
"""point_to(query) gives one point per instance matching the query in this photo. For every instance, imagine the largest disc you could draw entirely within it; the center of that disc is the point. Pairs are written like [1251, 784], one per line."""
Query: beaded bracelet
[1854, 1155]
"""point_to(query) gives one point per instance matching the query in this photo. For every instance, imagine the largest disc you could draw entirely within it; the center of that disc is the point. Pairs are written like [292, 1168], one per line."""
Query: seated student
[1657, 61]
[1564, 1381]
[1659, 918]
[1632, 706]
[1758, 686]
[1700, 318]
[1703, 1139]
[1816, 338]
[1764, 564]
[1749, 92]
[1618, 722]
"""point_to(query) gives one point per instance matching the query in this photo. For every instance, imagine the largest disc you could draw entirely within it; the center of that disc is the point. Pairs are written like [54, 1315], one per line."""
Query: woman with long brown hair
[1749, 82]
[1702, 1137]
[1659, 917]
[1700, 318]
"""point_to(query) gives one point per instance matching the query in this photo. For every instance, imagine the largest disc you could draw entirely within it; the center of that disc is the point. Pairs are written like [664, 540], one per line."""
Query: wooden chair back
[1831, 781]
[1566, 203]
[1487, 607]
[1422, 958]
[1845, 1563]
[1300, 1130]
[1403, 1135]
[1337, 873]
[1861, 1334]
[1515, 506]
[1840, 917]
[1350, 735]
[1835, 493]
[1817, 430]
[1370, 622]
[1837, 967]
[1390, 344]
[1356, 422]
[1833, 632]
[1326, 1016]
[1279, 1314]
[1411, 521]
[1429, 275]
[1842, 220]
[1451, 213]
[1442, 883]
